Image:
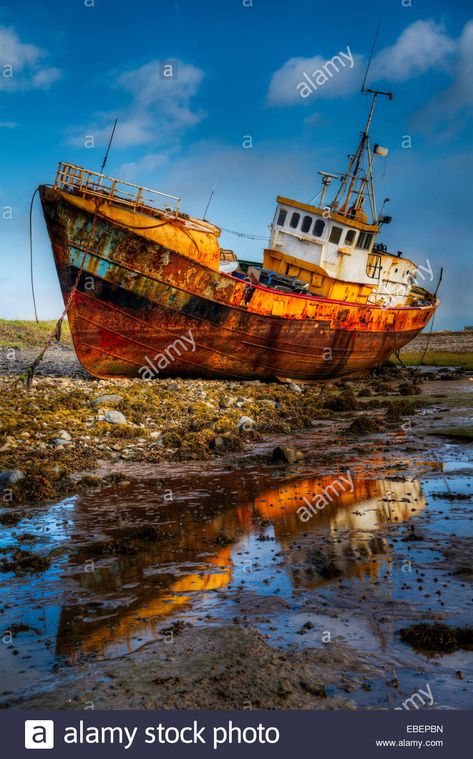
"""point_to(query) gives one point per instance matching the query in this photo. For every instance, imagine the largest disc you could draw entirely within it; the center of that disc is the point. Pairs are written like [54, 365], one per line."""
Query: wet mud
[309, 566]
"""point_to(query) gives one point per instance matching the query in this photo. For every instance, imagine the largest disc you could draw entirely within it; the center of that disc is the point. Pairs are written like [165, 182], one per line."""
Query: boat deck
[136, 198]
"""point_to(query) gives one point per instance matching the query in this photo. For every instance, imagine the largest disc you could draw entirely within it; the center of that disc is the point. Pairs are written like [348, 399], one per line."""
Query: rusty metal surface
[137, 296]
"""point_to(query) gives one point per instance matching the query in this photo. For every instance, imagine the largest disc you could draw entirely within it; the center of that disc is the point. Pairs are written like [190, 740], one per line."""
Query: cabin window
[306, 223]
[295, 220]
[350, 237]
[364, 241]
[319, 227]
[335, 235]
[374, 266]
[282, 217]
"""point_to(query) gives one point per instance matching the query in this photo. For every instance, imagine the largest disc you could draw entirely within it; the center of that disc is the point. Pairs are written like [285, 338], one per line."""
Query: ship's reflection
[130, 596]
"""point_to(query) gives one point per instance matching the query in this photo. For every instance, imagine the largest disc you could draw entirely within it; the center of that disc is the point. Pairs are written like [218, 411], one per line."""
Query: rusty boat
[150, 292]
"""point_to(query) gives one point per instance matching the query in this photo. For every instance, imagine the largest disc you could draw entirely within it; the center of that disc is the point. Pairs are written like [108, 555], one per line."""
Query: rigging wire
[244, 234]
[371, 55]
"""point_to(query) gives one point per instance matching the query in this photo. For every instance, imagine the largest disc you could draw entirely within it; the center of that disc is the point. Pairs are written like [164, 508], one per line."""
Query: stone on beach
[114, 417]
[10, 476]
[287, 454]
[245, 423]
[105, 400]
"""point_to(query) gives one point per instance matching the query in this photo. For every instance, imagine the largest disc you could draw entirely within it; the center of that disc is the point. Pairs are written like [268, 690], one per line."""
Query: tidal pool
[136, 562]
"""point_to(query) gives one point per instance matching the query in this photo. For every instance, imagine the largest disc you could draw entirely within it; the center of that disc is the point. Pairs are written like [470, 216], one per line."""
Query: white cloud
[132, 129]
[21, 64]
[453, 107]
[422, 46]
[144, 165]
[315, 120]
[283, 88]
[149, 87]
[46, 77]
[159, 109]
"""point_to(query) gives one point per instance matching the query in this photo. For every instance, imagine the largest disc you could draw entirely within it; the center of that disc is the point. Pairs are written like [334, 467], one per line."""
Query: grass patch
[439, 358]
[461, 433]
[17, 333]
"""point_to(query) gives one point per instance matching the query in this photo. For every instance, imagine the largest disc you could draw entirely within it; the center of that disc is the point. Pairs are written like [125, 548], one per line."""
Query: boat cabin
[333, 247]
[336, 254]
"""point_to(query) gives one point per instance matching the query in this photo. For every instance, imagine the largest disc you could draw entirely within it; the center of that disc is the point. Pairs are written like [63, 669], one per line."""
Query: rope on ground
[397, 354]
[427, 344]
[31, 256]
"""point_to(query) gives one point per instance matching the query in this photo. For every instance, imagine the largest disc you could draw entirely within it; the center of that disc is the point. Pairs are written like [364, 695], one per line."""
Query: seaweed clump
[363, 425]
[24, 561]
[437, 637]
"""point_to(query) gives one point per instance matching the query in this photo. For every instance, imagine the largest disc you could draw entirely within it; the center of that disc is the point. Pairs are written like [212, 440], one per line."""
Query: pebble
[64, 435]
[10, 476]
[245, 423]
[287, 453]
[226, 402]
[63, 438]
[114, 417]
[105, 399]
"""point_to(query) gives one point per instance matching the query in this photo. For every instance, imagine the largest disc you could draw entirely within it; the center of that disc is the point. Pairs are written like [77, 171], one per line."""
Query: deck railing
[84, 182]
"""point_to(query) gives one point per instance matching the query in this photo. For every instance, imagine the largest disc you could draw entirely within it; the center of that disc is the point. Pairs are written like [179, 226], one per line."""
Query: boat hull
[141, 309]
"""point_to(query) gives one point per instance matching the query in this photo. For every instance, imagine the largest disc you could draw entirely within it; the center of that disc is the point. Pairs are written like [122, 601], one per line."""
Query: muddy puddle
[137, 563]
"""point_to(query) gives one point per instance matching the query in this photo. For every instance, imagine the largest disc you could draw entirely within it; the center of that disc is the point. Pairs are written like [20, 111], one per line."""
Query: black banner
[232, 734]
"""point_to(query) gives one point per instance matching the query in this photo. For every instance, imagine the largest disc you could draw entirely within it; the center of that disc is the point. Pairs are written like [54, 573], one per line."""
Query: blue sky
[232, 118]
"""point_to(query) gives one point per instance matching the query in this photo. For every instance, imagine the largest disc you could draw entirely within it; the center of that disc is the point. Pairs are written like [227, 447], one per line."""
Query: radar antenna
[326, 181]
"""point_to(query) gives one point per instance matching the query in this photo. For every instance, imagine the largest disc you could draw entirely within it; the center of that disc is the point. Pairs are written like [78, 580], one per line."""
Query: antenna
[209, 202]
[370, 58]
[108, 148]
[326, 181]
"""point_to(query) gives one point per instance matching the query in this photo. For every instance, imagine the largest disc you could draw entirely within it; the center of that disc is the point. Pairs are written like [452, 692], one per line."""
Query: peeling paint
[150, 286]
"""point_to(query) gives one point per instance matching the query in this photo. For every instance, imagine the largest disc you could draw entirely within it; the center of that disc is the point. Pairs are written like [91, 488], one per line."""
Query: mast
[355, 171]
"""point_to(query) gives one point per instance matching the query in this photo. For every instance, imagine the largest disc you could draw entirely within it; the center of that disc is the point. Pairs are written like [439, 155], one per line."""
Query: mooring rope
[398, 356]
[56, 332]
[31, 256]
[428, 341]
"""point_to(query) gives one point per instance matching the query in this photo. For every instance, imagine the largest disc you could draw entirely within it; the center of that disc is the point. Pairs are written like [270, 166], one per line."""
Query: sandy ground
[214, 668]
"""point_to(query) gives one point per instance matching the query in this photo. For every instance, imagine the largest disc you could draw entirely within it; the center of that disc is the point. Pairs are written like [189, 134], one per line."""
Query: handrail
[74, 178]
